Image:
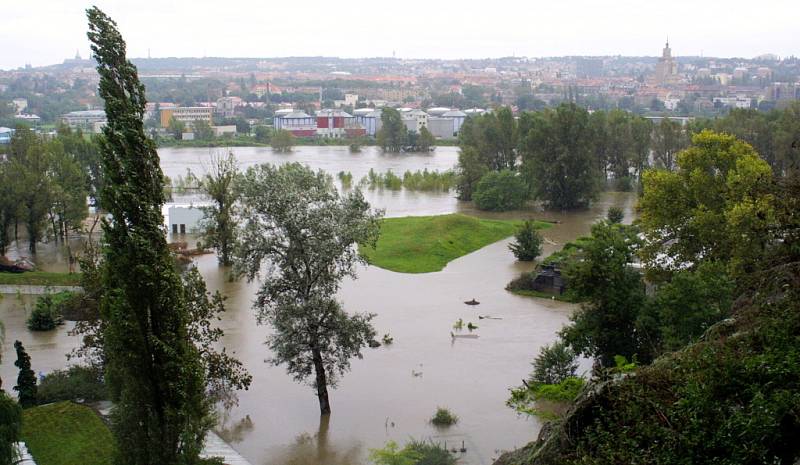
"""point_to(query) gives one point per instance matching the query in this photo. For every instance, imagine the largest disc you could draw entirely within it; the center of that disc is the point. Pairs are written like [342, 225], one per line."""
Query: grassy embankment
[422, 244]
[40, 278]
[65, 433]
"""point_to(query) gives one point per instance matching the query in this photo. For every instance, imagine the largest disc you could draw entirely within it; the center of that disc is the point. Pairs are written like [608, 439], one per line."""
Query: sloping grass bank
[423, 244]
[66, 433]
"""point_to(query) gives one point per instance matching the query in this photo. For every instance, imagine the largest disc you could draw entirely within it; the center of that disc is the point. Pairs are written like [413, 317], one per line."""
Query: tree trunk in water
[322, 383]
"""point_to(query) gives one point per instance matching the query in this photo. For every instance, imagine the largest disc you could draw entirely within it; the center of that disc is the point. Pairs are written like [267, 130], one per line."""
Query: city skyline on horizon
[52, 31]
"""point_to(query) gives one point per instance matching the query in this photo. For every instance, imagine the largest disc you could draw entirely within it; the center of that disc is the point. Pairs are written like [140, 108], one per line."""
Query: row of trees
[565, 155]
[45, 184]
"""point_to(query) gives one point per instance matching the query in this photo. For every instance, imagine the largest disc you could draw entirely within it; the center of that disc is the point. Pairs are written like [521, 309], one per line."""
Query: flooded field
[392, 392]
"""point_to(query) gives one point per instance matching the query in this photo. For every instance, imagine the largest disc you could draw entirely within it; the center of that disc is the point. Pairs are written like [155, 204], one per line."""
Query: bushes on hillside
[500, 191]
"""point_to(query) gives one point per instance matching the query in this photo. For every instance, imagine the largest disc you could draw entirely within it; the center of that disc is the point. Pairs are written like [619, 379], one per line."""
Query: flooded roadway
[277, 421]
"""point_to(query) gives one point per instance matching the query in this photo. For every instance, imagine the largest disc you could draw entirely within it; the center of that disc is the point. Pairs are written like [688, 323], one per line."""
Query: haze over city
[46, 31]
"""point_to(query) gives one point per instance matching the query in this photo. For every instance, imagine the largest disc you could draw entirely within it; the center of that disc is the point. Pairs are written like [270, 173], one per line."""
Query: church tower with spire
[667, 68]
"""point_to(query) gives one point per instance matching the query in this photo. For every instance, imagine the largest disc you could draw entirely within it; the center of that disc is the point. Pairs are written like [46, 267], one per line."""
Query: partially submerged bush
[48, 311]
[500, 191]
[523, 399]
[444, 417]
[414, 453]
[77, 382]
[554, 364]
[615, 215]
[527, 243]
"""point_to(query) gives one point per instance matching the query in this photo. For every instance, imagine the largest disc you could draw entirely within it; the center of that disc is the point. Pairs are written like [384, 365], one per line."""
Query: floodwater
[393, 391]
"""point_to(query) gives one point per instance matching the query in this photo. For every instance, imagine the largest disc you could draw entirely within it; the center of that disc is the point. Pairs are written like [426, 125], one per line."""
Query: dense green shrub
[554, 364]
[77, 382]
[10, 427]
[414, 453]
[523, 399]
[615, 215]
[500, 191]
[444, 417]
[527, 243]
[26, 380]
[48, 313]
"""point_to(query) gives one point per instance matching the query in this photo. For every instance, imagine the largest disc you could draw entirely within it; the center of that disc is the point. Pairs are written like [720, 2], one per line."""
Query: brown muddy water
[393, 391]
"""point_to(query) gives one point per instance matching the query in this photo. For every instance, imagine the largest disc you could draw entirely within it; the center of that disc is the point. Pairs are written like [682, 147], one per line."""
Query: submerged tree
[155, 373]
[393, 134]
[219, 221]
[527, 243]
[306, 233]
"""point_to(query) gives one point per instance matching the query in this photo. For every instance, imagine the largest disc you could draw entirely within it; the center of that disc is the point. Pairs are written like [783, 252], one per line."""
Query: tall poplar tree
[156, 374]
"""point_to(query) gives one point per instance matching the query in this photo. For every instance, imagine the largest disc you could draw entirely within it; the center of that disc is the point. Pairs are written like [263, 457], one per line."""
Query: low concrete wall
[35, 290]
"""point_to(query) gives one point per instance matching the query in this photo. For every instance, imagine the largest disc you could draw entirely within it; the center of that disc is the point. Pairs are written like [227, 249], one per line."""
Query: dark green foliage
[10, 428]
[527, 243]
[731, 396]
[471, 168]
[730, 399]
[154, 372]
[613, 293]
[494, 136]
[615, 215]
[263, 134]
[425, 141]
[488, 143]
[444, 417]
[49, 311]
[393, 135]
[220, 219]
[414, 453]
[77, 382]
[26, 380]
[684, 308]
[500, 191]
[282, 141]
[557, 156]
[554, 364]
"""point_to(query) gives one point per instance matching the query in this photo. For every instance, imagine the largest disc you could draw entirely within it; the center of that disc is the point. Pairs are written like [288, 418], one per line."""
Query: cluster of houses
[443, 123]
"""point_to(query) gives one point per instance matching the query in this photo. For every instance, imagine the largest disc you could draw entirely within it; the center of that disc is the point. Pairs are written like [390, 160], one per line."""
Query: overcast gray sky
[43, 32]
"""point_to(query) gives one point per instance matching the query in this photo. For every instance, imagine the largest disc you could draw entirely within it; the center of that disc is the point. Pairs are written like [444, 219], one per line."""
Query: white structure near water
[183, 219]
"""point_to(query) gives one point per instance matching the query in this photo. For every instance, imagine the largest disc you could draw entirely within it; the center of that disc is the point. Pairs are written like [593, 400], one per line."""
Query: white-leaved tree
[301, 237]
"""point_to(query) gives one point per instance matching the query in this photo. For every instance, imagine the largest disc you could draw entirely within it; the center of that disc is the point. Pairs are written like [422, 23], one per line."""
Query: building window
[183, 229]
[174, 229]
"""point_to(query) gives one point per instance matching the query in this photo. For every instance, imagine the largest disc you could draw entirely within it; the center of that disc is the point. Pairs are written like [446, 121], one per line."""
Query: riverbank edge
[35, 289]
